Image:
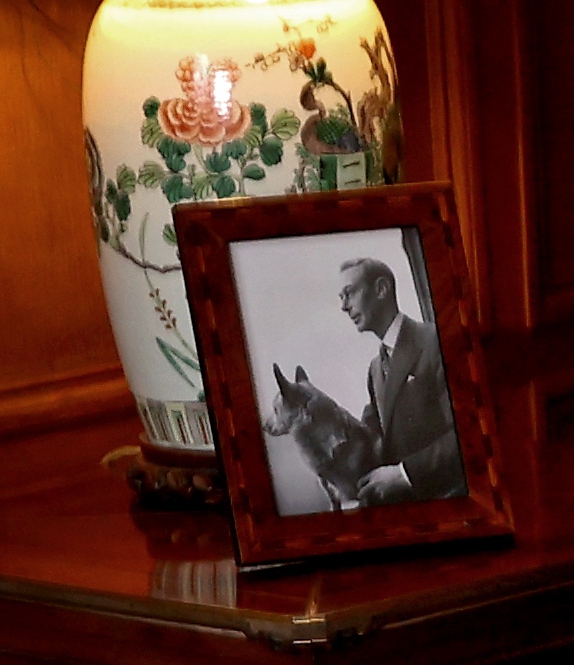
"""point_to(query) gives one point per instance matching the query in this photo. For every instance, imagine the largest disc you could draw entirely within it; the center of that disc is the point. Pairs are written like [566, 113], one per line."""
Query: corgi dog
[337, 447]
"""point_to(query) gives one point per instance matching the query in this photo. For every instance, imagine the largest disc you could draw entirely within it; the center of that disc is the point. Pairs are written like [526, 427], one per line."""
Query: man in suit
[409, 410]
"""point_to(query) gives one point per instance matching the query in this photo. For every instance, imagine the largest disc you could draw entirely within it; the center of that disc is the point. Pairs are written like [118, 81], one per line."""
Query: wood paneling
[552, 22]
[53, 323]
[504, 158]
[485, 92]
[451, 54]
[435, 51]
[57, 354]
[406, 23]
[552, 53]
[508, 94]
[42, 405]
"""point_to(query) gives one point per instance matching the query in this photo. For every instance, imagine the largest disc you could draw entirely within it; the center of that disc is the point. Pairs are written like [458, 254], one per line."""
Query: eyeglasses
[347, 292]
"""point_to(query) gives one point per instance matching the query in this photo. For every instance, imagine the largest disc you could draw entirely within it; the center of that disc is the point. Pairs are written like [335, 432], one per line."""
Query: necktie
[385, 360]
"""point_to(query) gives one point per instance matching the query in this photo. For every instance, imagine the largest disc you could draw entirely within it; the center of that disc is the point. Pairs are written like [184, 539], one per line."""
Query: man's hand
[385, 484]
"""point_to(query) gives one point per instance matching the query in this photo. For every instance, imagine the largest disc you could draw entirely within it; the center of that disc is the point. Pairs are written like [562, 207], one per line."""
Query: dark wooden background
[486, 93]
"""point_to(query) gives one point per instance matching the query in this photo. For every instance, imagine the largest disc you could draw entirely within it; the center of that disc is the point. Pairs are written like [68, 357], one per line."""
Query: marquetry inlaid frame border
[205, 232]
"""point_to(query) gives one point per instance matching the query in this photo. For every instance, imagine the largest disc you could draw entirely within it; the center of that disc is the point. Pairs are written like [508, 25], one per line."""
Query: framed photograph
[343, 373]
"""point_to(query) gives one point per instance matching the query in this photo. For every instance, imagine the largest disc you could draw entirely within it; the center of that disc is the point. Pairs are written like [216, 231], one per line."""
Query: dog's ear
[300, 374]
[282, 381]
[291, 392]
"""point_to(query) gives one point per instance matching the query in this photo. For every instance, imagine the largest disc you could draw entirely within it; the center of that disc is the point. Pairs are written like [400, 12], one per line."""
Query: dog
[337, 447]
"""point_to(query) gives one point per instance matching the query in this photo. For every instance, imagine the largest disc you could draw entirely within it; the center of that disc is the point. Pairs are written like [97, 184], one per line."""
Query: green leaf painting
[122, 205]
[126, 178]
[172, 187]
[202, 187]
[151, 132]
[271, 151]
[151, 174]
[151, 107]
[178, 360]
[332, 129]
[169, 234]
[285, 124]
[111, 191]
[253, 171]
[307, 157]
[217, 163]
[312, 181]
[224, 186]
[173, 153]
[258, 117]
[235, 149]
[253, 137]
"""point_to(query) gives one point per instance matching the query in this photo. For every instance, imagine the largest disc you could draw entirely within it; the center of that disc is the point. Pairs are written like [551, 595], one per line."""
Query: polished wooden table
[87, 576]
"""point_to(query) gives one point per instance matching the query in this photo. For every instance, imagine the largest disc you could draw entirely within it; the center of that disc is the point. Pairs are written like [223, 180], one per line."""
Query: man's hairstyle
[372, 270]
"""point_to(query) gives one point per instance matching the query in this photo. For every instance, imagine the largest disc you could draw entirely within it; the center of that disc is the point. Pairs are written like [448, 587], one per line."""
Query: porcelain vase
[191, 101]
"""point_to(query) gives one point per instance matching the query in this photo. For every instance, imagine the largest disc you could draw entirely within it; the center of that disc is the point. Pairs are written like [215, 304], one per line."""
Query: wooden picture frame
[258, 277]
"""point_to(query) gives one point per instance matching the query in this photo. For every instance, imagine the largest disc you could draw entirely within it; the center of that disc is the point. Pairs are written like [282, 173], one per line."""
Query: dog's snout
[270, 426]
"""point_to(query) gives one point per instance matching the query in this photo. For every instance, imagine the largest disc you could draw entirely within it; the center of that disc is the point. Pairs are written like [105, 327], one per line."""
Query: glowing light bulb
[222, 87]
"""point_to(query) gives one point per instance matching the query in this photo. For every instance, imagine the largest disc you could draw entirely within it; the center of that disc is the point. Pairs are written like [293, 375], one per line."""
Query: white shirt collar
[390, 338]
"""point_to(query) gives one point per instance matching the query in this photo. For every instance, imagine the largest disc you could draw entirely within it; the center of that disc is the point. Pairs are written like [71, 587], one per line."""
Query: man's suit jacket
[410, 411]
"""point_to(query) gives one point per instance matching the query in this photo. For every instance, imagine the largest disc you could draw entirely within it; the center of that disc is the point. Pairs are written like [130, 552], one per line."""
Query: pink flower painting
[208, 114]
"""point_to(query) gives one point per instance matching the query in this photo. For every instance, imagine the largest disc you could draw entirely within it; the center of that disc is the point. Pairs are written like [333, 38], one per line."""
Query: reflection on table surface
[67, 522]
[201, 582]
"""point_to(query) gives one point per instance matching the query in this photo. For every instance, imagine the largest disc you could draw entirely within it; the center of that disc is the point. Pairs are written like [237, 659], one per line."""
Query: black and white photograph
[347, 370]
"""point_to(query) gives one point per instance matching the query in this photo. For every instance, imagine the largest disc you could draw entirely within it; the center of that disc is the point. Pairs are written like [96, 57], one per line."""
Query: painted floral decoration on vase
[374, 131]
[207, 115]
[206, 143]
[187, 132]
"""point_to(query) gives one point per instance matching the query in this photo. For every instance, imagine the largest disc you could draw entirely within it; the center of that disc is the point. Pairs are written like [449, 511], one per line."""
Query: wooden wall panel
[434, 47]
[505, 158]
[406, 23]
[485, 101]
[482, 49]
[53, 323]
[524, 87]
[57, 354]
[553, 22]
[550, 24]
[451, 54]
[517, 160]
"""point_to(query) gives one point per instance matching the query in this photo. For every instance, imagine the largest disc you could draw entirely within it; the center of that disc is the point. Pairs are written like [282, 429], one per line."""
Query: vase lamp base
[169, 478]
